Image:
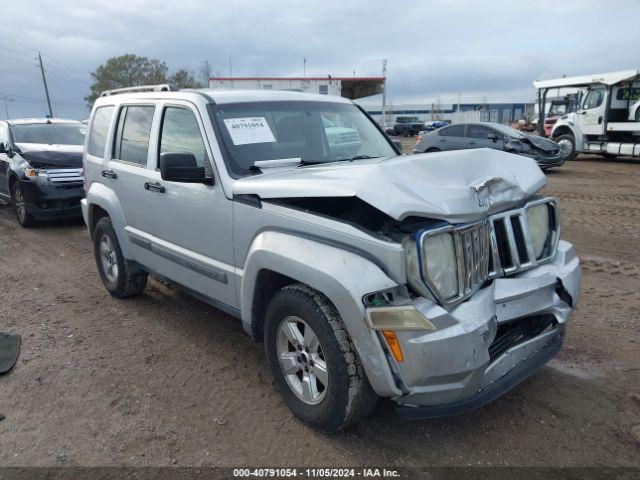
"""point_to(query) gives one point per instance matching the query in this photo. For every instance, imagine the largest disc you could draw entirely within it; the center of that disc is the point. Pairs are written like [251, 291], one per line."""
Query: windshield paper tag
[244, 131]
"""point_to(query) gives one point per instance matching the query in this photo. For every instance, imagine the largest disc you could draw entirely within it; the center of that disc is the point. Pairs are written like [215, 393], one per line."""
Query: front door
[187, 226]
[4, 162]
[590, 116]
[478, 137]
[452, 137]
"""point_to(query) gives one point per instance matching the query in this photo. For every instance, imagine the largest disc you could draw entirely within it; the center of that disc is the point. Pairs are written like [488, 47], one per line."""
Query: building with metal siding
[483, 112]
[348, 87]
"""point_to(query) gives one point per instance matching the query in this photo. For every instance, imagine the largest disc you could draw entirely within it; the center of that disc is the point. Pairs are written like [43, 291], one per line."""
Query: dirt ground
[163, 379]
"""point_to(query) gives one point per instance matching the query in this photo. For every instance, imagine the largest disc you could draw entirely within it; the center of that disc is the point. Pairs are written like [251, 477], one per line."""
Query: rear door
[125, 171]
[452, 137]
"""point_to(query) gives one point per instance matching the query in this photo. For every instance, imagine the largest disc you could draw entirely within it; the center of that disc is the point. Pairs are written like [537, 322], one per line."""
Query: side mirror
[398, 144]
[492, 136]
[181, 167]
[3, 148]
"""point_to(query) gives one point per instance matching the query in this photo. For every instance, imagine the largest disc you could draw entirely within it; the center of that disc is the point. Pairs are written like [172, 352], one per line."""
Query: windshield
[510, 132]
[314, 132]
[49, 133]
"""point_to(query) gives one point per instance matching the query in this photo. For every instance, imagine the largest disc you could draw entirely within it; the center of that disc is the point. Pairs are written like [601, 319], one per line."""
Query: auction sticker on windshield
[244, 131]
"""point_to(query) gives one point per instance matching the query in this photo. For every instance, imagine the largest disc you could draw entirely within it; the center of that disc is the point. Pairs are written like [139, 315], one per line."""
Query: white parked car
[439, 280]
[634, 112]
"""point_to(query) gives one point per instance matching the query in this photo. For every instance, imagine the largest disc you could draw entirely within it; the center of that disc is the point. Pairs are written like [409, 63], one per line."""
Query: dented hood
[458, 186]
[45, 155]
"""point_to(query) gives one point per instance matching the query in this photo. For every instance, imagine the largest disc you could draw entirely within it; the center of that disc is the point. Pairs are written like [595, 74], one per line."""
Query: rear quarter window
[99, 128]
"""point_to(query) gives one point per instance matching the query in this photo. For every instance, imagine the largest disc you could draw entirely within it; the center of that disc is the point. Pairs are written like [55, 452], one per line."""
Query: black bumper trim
[518, 374]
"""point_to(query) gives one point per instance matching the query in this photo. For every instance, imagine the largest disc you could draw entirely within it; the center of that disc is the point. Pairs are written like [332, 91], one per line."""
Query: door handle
[584, 112]
[109, 174]
[154, 187]
[443, 140]
[471, 143]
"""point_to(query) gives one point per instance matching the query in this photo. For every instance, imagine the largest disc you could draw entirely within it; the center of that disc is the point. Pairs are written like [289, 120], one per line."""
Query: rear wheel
[19, 207]
[121, 277]
[567, 146]
[638, 115]
[314, 362]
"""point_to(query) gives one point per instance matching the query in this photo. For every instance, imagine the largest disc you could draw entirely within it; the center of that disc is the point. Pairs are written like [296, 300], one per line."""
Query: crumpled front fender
[342, 276]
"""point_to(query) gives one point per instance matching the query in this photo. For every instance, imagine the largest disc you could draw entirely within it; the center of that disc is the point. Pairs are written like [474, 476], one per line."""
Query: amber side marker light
[394, 344]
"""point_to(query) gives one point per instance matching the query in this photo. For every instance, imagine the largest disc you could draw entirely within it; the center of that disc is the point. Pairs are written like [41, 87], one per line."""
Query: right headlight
[435, 264]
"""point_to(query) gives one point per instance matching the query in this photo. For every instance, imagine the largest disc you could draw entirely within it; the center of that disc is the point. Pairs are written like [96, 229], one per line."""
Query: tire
[432, 150]
[638, 115]
[24, 218]
[564, 141]
[343, 396]
[121, 277]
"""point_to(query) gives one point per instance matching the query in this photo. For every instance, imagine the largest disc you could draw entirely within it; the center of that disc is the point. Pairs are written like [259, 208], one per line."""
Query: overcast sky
[434, 48]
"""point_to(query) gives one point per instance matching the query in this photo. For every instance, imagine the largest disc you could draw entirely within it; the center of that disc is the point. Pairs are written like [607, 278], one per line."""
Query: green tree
[183, 78]
[126, 71]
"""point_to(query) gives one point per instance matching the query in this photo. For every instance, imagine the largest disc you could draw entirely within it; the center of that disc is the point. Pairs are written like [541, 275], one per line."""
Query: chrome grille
[472, 243]
[511, 246]
[65, 175]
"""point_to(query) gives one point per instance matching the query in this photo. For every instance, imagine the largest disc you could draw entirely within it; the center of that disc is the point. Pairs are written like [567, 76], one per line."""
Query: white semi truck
[607, 119]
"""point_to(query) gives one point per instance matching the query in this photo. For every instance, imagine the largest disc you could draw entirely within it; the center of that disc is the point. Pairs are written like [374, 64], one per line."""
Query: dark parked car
[41, 168]
[492, 135]
[407, 126]
[434, 125]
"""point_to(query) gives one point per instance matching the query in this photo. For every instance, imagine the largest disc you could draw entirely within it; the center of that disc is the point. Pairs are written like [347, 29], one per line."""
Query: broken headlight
[448, 264]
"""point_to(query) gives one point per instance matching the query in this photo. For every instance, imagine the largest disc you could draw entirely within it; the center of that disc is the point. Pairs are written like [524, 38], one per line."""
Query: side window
[132, 137]
[99, 128]
[452, 131]
[479, 131]
[593, 99]
[4, 134]
[180, 133]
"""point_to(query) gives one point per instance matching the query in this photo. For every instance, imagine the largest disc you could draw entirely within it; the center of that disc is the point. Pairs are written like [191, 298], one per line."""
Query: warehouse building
[462, 112]
[348, 87]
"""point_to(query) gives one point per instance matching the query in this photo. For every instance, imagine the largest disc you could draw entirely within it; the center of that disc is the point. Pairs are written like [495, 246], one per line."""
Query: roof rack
[163, 87]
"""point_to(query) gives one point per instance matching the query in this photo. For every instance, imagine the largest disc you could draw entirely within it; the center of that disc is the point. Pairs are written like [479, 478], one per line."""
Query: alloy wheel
[302, 360]
[18, 202]
[108, 259]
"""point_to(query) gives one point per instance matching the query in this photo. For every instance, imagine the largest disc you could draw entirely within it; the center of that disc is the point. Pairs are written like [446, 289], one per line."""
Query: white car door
[590, 116]
[187, 228]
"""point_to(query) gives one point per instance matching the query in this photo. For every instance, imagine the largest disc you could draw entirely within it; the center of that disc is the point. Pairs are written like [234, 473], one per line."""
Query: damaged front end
[497, 295]
[483, 283]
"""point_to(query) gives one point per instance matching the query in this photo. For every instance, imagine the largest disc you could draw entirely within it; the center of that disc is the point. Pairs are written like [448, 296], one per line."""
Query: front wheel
[19, 207]
[567, 146]
[314, 362]
[121, 277]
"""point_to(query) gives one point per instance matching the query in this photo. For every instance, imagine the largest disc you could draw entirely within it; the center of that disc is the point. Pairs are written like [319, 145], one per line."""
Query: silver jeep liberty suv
[437, 280]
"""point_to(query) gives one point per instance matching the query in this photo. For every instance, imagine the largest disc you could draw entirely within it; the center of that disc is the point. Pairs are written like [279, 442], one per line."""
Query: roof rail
[163, 87]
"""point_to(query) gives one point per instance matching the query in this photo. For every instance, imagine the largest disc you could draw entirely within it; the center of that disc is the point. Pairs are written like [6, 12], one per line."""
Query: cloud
[434, 48]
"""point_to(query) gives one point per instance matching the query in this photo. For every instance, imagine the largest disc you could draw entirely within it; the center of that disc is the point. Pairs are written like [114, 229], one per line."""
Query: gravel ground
[163, 379]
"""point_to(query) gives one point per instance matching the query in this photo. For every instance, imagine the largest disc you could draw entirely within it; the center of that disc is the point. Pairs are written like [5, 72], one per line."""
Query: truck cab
[604, 121]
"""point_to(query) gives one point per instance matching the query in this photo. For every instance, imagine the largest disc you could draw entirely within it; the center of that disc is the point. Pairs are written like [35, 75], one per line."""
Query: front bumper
[52, 202]
[456, 367]
[548, 161]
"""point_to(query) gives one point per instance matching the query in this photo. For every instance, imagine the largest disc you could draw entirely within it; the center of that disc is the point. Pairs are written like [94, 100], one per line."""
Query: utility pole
[6, 104]
[207, 74]
[304, 67]
[46, 88]
[384, 92]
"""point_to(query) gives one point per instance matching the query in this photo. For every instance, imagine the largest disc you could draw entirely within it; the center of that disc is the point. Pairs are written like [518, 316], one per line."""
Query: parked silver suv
[436, 280]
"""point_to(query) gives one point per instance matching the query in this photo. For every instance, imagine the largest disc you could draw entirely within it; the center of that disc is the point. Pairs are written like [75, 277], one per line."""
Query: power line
[16, 59]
